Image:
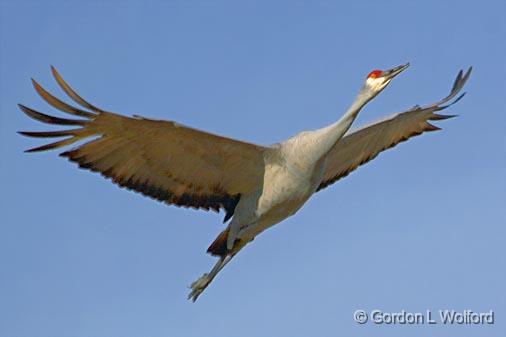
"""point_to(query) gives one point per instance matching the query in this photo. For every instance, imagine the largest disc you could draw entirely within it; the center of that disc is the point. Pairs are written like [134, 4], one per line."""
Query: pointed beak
[391, 73]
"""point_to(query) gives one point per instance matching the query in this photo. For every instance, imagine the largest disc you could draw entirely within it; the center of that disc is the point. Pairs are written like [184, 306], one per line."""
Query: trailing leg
[202, 282]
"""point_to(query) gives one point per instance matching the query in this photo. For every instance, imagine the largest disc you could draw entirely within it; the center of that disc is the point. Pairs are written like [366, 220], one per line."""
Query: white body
[293, 172]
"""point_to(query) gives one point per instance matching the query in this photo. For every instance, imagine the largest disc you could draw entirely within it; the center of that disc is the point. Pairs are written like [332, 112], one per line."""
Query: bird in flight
[256, 186]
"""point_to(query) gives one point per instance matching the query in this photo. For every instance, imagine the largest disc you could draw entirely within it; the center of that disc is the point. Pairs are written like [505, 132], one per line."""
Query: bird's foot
[198, 287]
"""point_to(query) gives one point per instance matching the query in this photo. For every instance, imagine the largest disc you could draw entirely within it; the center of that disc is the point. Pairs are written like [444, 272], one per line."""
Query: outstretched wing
[364, 144]
[160, 159]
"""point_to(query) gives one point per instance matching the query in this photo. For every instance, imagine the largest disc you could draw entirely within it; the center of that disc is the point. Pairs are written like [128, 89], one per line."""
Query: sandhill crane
[257, 186]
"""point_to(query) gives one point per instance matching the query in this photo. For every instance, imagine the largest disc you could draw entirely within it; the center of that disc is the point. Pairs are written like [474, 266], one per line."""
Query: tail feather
[219, 245]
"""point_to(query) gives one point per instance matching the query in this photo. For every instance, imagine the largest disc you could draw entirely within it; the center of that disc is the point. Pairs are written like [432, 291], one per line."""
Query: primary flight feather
[257, 186]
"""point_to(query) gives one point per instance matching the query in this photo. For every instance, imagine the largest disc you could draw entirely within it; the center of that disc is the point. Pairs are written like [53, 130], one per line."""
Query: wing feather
[364, 144]
[164, 160]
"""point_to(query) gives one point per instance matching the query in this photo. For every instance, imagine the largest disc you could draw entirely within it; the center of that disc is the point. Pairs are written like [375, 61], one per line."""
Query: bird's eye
[375, 73]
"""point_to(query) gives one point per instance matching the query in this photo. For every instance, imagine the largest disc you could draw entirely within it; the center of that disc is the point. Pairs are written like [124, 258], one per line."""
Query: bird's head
[377, 80]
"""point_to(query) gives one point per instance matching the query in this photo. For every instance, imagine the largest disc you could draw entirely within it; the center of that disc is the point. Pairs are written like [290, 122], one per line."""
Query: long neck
[330, 135]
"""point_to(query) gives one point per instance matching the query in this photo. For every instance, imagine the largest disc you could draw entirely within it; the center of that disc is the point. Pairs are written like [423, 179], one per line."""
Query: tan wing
[362, 145]
[160, 159]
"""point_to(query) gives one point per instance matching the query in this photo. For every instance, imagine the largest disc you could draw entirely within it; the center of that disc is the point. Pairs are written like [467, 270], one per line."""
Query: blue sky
[422, 227]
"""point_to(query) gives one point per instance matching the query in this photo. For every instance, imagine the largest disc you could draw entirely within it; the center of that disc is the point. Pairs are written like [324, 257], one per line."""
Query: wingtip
[71, 93]
[431, 127]
[35, 84]
[458, 98]
[33, 150]
[55, 74]
[439, 117]
[468, 73]
[24, 109]
[49, 119]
